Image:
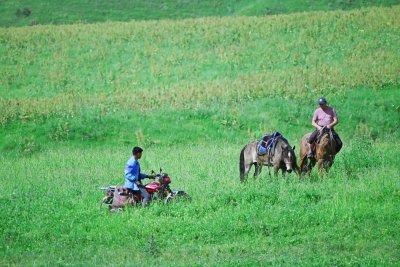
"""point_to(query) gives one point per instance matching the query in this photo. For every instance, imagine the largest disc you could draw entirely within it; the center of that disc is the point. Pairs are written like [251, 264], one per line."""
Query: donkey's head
[288, 157]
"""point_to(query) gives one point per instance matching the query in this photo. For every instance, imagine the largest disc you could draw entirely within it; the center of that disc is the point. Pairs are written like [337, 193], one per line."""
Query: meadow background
[192, 82]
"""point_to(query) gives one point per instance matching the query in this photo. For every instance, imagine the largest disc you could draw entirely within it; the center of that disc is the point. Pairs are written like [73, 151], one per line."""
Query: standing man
[324, 116]
[133, 177]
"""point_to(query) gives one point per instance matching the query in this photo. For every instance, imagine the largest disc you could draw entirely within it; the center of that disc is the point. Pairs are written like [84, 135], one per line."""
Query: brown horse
[325, 152]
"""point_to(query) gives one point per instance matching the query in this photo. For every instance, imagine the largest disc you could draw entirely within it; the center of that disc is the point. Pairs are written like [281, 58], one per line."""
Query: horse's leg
[310, 165]
[283, 172]
[321, 166]
[303, 162]
[297, 171]
[327, 166]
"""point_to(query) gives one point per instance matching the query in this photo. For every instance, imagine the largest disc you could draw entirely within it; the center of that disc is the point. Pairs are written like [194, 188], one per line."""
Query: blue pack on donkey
[272, 150]
[265, 144]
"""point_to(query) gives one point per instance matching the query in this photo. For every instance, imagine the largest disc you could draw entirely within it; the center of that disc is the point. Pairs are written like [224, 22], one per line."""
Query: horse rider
[324, 116]
[133, 176]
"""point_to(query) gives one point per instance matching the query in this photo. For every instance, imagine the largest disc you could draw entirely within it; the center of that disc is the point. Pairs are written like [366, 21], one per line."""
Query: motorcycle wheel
[177, 197]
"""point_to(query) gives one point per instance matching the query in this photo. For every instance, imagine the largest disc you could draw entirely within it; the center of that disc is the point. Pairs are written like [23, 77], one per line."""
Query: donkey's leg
[243, 175]
[276, 169]
[297, 171]
[283, 168]
[257, 169]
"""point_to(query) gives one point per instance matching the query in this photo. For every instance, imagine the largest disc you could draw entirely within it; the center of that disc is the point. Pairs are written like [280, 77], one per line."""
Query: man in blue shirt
[133, 176]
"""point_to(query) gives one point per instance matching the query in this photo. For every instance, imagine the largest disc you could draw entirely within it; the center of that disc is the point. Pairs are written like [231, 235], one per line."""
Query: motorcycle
[118, 197]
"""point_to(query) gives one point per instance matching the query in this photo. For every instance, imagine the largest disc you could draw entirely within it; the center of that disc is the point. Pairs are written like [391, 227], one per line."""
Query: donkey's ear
[294, 147]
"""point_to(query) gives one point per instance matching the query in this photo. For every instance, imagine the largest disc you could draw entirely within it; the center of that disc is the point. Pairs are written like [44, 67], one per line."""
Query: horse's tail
[241, 165]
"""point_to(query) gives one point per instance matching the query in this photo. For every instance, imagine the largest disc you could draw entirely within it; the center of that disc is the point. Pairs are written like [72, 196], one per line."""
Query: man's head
[137, 152]
[322, 102]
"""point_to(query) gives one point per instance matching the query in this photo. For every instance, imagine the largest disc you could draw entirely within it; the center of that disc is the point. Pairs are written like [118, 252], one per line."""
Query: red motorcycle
[118, 197]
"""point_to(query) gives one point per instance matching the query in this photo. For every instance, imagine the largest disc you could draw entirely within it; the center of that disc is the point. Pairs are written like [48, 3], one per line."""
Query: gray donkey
[277, 153]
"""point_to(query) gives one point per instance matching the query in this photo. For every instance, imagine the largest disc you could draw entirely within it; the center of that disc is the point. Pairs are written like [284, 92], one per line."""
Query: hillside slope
[32, 12]
[50, 74]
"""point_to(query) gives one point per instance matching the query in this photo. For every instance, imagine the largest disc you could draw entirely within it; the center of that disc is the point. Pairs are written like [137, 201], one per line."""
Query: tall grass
[350, 217]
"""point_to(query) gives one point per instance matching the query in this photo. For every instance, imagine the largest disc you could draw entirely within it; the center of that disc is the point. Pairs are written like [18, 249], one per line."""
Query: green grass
[74, 99]
[89, 11]
[60, 83]
[348, 218]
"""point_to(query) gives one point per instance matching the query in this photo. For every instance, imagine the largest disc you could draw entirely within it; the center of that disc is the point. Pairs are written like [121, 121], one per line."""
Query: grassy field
[75, 98]
[349, 218]
[59, 83]
[33, 12]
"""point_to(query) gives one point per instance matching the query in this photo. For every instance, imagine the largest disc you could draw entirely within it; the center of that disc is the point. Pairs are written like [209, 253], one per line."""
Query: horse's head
[326, 148]
[288, 157]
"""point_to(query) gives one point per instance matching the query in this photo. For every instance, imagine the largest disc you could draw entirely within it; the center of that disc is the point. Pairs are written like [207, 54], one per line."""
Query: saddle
[320, 134]
[262, 147]
[332, 135]
[267, 143]
[330, 132]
